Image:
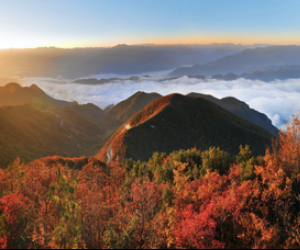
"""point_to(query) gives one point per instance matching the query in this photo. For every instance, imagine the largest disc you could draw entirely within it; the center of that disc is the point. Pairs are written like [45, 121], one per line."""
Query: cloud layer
[278, 99]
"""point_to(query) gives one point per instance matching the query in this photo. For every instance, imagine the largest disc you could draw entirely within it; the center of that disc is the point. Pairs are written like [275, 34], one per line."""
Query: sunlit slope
[242, 110]
[29, 132]
[180, 122]
[14, 94]
[129, 107]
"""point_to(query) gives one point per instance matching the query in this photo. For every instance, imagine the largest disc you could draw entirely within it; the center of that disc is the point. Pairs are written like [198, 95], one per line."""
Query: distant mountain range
[94, 81]
[181, 122]
[267, 75]
[247, 61]
[207, 60]
[34, 125]
[122, 59]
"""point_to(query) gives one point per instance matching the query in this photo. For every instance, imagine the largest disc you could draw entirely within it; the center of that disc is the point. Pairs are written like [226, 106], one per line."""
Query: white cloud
[278, 99]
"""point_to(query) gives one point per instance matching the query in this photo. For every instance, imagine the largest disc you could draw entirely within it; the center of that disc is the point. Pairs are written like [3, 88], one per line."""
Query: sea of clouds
[279, 100]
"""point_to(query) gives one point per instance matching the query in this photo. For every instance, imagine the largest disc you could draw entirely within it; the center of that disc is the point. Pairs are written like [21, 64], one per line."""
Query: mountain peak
[33, 86]
[135, 103]
[121, 46]
[233, 101]
[14, 94]
[12, 87]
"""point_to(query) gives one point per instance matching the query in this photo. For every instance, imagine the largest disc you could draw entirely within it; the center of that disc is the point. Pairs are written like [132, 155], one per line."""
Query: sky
[99, 23]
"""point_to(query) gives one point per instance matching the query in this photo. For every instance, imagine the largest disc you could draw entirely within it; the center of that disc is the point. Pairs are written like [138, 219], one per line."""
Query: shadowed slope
[241, 109]
[89, 111]
[179, 122]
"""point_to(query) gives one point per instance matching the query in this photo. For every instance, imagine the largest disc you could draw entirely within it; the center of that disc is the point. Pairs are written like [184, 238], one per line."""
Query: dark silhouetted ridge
[242, 110]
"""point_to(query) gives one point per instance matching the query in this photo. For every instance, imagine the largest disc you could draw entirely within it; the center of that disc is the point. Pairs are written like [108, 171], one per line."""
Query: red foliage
[12, 204]
[13, 207]
[119, 209]
[196, 229]
[165, 160]
[3, 242]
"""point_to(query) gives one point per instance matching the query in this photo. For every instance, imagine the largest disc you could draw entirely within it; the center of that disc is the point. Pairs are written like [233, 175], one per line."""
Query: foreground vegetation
[187, 199]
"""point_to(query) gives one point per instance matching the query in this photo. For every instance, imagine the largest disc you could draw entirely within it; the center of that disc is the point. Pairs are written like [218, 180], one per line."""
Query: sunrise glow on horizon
[159, 41]
[74, 23]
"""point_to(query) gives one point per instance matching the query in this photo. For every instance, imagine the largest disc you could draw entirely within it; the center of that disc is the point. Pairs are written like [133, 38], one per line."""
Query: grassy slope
[29, 132]
[179, 122]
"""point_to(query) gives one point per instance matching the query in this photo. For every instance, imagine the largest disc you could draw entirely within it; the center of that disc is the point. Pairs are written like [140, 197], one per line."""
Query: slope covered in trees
[180, 122]
[187, 199]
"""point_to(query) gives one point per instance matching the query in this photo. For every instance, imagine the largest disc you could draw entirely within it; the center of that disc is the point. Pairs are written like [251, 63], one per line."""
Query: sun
[26, 41]
[14, 42]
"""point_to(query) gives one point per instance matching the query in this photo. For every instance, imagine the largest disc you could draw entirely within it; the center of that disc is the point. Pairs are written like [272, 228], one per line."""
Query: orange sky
[196, 39]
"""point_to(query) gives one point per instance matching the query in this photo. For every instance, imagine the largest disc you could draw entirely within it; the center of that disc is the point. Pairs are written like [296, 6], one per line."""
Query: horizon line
[149, 44]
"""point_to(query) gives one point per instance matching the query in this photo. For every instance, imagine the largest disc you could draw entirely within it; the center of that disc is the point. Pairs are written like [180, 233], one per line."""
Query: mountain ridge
[14, 94]
[180, 122]
[133, 104]
[241, 109]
